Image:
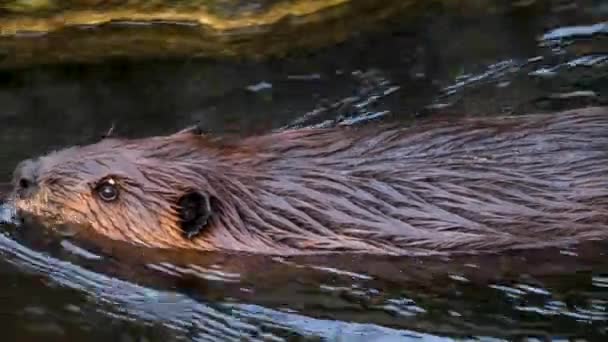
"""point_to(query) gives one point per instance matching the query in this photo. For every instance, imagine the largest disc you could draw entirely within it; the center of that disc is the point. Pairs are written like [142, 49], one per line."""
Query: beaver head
[148, 191]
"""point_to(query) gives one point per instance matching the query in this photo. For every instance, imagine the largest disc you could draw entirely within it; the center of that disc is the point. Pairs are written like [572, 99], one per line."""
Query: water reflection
[214, 296]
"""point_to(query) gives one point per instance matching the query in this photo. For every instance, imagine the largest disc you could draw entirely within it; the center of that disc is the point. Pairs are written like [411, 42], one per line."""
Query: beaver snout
[25, 178]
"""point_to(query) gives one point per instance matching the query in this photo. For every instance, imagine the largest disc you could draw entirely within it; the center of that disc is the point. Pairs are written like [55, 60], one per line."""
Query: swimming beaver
[437, 187]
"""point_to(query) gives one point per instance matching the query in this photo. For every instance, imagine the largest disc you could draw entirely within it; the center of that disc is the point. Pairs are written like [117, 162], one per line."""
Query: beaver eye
[107, 190]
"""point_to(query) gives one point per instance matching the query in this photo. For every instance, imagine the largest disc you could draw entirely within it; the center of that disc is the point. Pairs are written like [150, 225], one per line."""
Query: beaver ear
[194, 213]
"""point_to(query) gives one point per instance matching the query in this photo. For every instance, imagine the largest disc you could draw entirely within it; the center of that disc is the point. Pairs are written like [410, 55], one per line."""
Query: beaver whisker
[109, 132]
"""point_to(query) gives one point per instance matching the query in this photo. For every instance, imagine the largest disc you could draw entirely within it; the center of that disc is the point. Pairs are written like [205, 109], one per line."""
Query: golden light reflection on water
[168, 13]
[89, 31]
[86, 35]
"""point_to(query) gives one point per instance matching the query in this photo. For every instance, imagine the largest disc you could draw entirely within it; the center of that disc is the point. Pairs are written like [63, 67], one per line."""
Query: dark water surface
[54, 289]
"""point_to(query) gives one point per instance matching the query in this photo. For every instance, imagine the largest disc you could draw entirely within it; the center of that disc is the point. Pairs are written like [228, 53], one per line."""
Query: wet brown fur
[460, 186]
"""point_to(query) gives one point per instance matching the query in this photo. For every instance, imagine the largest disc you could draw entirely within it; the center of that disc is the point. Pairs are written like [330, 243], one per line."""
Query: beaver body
[480, 185]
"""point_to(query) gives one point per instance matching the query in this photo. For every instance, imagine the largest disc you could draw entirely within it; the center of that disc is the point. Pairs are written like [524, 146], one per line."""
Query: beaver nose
[26, 178]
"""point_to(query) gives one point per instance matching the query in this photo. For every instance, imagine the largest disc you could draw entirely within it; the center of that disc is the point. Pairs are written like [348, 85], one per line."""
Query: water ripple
[570, 32]
[226, 322]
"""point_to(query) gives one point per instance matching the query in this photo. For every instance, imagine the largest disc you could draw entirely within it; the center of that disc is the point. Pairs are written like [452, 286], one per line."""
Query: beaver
[436, 187]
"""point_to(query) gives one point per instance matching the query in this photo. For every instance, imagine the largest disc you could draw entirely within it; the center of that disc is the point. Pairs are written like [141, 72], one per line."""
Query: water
[59, 288]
